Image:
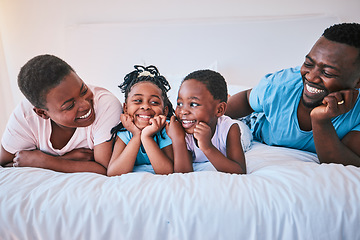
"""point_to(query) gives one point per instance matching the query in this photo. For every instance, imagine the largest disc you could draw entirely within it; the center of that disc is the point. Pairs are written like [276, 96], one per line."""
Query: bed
[286, 194]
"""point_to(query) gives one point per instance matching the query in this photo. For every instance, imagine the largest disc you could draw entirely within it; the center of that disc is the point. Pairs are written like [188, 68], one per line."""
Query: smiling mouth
[314, 90]
[144, 118]
[187, 123]
[313, 96]
[86, 115]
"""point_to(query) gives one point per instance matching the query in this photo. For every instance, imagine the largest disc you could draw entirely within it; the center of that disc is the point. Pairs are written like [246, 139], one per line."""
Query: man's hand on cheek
[335, 104]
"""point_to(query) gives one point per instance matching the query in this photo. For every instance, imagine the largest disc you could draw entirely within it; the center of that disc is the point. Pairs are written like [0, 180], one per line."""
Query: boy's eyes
[193, 104]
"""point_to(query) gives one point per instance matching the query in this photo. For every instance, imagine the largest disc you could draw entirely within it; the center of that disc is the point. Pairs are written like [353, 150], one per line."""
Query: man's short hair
[347, 33]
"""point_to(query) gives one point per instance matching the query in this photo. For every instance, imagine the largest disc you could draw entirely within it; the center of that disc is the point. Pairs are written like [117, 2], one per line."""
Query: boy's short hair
[41, 74]
[213, 81]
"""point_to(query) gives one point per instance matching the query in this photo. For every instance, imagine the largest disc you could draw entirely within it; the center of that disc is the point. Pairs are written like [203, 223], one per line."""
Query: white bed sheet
[285, 195]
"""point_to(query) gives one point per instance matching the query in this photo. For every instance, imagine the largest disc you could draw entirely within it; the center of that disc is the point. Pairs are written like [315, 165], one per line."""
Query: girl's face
[70, 104]
[144, 102]
[195, 104]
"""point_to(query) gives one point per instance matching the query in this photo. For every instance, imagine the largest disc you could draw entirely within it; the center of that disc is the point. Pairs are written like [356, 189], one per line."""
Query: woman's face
[70, 104]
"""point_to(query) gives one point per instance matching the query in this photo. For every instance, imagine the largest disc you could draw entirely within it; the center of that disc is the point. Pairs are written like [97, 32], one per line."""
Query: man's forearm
[329, 147]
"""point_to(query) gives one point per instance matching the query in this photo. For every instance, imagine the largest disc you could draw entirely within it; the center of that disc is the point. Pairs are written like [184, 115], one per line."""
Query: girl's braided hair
[144, 74]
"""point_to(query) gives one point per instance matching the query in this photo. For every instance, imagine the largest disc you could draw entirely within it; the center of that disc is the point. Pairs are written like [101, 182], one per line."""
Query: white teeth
[86, 115]
[314, 90]
[144, 116]
[188, 121]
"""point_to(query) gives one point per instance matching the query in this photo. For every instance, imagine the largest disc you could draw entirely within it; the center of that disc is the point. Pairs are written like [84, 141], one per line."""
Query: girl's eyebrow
[139, 94]
[155, 96]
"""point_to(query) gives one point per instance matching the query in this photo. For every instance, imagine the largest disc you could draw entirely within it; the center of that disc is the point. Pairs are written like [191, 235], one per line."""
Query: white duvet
[285, 195]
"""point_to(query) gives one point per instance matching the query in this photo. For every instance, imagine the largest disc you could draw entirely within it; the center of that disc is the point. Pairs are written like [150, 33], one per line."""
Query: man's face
[329, 67]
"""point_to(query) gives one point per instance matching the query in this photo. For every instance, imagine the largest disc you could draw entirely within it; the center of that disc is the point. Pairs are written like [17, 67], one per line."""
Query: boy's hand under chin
[202, 132]
[174, 129]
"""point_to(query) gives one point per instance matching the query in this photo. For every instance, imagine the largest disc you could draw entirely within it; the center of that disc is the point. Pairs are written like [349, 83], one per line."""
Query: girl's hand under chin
[128, 123]
[155, 125]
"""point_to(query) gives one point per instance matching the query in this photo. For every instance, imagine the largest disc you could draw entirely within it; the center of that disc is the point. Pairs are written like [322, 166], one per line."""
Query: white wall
[32, 27]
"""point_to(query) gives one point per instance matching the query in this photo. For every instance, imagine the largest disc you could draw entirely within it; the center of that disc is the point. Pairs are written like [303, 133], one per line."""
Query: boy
[209, 135]
[63, 124]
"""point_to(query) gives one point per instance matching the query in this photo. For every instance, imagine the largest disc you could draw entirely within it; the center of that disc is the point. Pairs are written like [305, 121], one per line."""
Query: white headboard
[242, 50]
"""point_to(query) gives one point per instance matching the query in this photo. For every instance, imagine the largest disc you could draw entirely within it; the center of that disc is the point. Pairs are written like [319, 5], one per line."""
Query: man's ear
[41, 113]
[220, 110]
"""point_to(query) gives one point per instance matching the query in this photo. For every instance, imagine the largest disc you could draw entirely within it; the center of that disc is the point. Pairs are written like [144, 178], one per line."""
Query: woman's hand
[79, 154]
[29, 158]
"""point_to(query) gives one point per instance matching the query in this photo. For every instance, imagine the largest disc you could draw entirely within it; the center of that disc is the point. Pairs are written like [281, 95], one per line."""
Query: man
[314, 108]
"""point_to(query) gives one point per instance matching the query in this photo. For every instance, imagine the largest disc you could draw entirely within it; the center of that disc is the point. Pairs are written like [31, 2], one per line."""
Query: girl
[141, 136]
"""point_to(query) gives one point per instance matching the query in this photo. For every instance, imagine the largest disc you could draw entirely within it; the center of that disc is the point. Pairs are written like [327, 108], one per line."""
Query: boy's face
[144, 102]
[195, 104]
[329, 67]
[70, 104]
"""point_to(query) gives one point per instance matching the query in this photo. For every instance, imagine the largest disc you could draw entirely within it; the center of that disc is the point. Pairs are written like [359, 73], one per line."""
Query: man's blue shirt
[276, 99]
